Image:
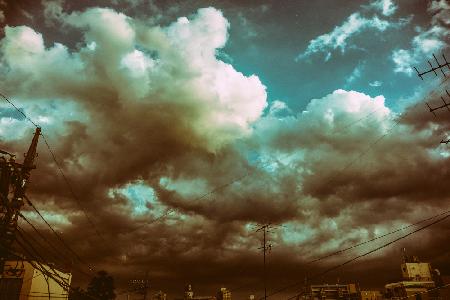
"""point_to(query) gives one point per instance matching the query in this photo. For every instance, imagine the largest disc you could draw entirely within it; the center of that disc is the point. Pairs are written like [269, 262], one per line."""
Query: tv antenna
[434, 69]
[445, 105]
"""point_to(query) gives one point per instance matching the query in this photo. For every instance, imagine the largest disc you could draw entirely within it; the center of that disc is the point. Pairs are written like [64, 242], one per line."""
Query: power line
[374, 142]
[58, 165]
[350, 124]
[20, 111]
[55, 252]
[65, 259]
[363, 153]
[357, 257]
[58, 235]
[376, 238]
[210, 192]
[339, 252]
[72, 192]
[37, 265]
[31, 259]
[33, 250]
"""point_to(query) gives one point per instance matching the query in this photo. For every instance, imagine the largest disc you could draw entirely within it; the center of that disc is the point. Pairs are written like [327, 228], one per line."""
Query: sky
[182, 126]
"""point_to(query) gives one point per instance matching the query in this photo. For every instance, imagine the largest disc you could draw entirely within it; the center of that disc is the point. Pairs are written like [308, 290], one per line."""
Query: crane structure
[14, 179]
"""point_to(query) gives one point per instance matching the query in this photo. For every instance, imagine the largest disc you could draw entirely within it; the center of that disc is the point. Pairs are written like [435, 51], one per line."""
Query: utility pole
[265, 247]
[14, 179]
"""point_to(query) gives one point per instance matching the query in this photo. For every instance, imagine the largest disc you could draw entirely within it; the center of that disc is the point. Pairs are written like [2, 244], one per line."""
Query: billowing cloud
[144, 64]
[146, 121]
[150, 98]
[434, 39]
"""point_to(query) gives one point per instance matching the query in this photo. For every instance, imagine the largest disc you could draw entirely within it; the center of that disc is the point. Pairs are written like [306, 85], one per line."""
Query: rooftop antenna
[445, 105]
[434, 69]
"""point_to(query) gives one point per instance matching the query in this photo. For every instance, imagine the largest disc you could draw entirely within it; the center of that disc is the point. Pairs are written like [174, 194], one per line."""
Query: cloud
[356, 73]
[53, 11]
[438, 6]
[338, 38]
[357, 23]
[427, 41]
[376, 83]
[185, 49]
[145, 118]
[387, 7]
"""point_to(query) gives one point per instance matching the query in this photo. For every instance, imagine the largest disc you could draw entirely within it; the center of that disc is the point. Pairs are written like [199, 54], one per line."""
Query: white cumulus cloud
[174, 65]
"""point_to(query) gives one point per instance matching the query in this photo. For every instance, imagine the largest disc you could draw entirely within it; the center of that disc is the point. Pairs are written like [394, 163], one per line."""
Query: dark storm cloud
[145, 114]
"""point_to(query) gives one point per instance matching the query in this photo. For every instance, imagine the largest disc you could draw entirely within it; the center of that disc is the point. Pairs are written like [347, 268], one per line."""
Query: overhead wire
[362, 154]
[75, 254]
[34, 261]
[26, 243]
[170, 210]
[216, 189]
[320, 274]
[377, 238]
[71, 190]
[339, 252]
[351, 163]
[377, 140]
[202, 196]
[19, 110]
[56, 255]
[66, 259]
[31, 259]
[58, 165]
